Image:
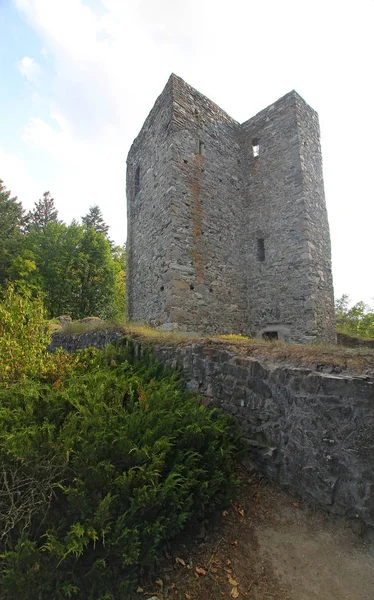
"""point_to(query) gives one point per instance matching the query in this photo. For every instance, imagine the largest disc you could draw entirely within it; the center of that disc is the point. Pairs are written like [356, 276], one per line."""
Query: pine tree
[44, 213]
[11, 213]
[12, 221]
[94, 218]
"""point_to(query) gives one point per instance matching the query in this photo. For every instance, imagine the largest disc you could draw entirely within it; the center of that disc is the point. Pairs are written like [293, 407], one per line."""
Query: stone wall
[220, 239]
[311, 432]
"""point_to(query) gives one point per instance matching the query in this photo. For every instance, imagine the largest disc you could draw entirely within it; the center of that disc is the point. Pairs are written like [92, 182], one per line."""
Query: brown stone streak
[197, 217]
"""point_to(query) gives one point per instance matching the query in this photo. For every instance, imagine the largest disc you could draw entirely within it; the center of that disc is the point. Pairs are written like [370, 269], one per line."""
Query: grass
[358, 360]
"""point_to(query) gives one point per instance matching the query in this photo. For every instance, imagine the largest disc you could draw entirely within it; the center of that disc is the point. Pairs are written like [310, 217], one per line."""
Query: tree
[94, 218]
[44, 213]
[119, 258]
[95, 272]
[74, 266]
[54, 248]
[357, 320]
[12, 221]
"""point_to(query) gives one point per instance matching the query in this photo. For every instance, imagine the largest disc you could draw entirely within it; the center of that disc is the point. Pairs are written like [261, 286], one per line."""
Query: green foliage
[116, 459]
[119, 299]
[94, 218]
[11, 225]
[75, 266]
[95, 273]
[357, 320]
[23, 335]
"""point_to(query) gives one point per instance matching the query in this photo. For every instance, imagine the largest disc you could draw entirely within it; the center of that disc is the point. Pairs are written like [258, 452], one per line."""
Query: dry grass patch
[320, 357]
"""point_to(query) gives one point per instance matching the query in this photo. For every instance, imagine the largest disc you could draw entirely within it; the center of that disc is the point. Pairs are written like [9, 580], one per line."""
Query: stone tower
[227, 222]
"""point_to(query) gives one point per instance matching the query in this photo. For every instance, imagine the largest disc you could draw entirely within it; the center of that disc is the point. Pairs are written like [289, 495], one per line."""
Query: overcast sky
[78, 78]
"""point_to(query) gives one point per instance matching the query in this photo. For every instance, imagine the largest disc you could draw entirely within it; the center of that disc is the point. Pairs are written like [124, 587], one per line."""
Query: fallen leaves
[180, 561]
[234, 593]
[200, 571]
[239, 509]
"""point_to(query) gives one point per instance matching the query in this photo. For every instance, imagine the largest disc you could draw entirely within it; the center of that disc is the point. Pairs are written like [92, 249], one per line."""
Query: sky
[79, 77]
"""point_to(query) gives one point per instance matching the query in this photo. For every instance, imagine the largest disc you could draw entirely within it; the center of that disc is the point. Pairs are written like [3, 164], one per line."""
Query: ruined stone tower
[227, 222]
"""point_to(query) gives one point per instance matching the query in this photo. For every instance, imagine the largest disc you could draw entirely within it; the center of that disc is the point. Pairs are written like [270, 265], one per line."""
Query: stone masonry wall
[149, 216]
[311, 432]
[286, 209]
[210, 295]
[319, 276]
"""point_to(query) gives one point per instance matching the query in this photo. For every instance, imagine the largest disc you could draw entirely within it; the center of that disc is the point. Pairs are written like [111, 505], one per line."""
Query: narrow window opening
[270, 335]
[261, 249]
[192, 287]
[162, 288]
[137, 180]
[255, 148]
[201, 147]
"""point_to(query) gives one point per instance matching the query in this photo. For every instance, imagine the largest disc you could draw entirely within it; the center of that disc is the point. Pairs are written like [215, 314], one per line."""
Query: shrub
[111, 461]
[23, 335]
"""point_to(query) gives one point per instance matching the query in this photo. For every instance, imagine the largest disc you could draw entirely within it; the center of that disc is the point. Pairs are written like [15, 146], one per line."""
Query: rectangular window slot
[261, 249]
[256, 148]
[201, 147]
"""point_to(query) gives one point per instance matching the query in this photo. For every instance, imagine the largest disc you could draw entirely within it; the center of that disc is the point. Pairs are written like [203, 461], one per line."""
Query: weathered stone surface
[72, 342]
[220, 239]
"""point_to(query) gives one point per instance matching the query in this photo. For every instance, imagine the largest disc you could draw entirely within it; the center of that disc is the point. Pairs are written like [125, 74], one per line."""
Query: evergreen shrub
[99, 468]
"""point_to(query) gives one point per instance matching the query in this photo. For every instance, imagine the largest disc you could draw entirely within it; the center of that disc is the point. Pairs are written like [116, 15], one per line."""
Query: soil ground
[269, 546]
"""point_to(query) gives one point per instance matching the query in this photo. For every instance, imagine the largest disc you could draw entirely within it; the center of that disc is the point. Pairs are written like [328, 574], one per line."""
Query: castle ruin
[227, 222]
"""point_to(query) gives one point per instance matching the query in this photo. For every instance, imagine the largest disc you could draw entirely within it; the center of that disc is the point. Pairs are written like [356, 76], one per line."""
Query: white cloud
[29, 69]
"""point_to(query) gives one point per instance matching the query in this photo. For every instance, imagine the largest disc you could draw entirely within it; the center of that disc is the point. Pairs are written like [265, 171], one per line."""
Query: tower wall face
[286, 209]
[319, 276]
[220, 239]
[149, 222]
[205, 289]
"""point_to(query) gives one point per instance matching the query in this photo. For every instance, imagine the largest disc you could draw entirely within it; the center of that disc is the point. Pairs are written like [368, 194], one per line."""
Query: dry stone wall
[311, 432]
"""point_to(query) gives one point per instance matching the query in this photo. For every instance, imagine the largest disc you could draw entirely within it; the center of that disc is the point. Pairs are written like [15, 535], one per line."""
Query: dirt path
[269, 546]
[317, 557]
